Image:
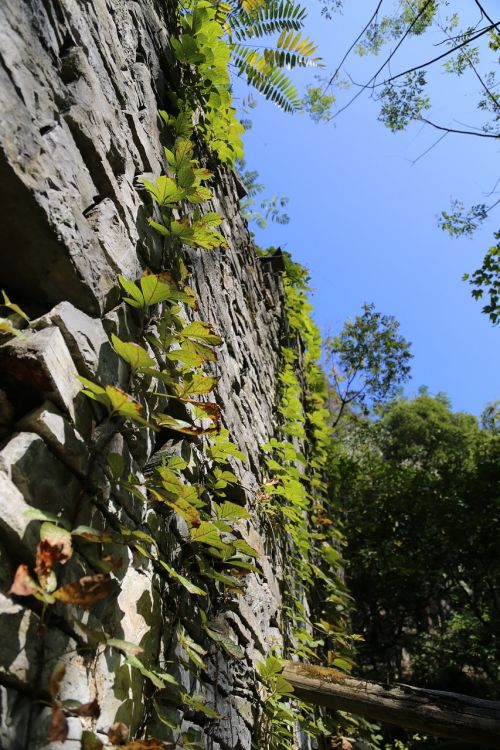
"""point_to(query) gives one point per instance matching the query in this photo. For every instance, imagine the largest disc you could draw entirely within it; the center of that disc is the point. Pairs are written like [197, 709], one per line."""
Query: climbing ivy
[295, 500]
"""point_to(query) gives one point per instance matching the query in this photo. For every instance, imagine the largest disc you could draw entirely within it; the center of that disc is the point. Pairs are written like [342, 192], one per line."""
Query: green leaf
[164, 191]
[179, 425]
[196, 702]
[92, 535]
[89, 741]
[125, 647]
[228, 511]
[133, 354]
[157, 288]
[244, 548]
[270, 668]
[175, 463]
[192, 649]
[15, 308]
[157, 678]
[282, 686]
[217, 634]
[188, 585]
[136, 299]
[231, 581]
[35, 514]
[200, 331]
[125, 405]
[195, 384]
[161, 228]
[206, 533]
[344, 664]
[116, 464]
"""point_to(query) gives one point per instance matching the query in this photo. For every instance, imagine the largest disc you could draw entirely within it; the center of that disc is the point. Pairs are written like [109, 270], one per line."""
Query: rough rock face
[80, 86]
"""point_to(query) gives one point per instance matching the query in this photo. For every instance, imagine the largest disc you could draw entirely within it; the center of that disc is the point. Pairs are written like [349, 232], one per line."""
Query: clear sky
[363, 218]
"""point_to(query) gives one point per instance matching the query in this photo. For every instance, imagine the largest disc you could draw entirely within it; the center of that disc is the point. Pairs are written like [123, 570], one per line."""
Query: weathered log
[431, 711]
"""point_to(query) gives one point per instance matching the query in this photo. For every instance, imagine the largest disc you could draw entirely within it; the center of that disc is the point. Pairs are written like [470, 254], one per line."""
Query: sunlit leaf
[125, 647]
[132, 353]
[201, 331]
[23, 584]
[228, 511]
[15, 308]
[195, 384]
[206, 533]
[92, 535]
[136, 299]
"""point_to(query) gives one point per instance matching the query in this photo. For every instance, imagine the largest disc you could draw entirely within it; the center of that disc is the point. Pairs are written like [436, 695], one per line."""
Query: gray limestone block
[43, 481]
[16, 530]
[59, 434]
[6, 568]
[20, 642]
[86, 339]
[106, 222]
[15, 716]
[39, 366]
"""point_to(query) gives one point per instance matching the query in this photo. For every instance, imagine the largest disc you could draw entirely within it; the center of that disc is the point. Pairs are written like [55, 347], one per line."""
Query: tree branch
[483, 11]
[398, 45]
[460, 132]
[444, 54]
[374, 15]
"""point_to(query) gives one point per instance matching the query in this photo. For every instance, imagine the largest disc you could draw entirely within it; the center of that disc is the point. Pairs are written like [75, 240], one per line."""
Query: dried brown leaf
[90, 710]
[118, 733]
[86, 591]
[211, 410]
[56, 678]
[59, 724]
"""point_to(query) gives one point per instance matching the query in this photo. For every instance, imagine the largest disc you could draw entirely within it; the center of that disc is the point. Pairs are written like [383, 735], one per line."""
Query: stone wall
[80, 86]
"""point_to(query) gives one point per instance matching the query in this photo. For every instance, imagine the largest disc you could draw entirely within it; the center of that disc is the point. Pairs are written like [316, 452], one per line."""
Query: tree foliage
[369, 360]
[419, 489]
[260, 58]
[465, 46]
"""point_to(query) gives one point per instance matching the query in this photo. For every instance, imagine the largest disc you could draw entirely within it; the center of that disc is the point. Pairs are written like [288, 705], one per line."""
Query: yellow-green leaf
[133, 354]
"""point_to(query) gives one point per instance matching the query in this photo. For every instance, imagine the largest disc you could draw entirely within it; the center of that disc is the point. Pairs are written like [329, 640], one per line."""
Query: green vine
[295, 499]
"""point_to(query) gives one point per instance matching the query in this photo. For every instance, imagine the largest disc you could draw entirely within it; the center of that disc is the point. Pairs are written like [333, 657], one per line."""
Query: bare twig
[398, 45]
[374, 15]
[429, 149]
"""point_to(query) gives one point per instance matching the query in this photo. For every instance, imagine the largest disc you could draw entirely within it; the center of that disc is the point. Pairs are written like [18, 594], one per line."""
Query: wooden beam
[431, 711]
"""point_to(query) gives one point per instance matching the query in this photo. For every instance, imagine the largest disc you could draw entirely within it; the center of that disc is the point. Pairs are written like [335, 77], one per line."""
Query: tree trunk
[431, 711]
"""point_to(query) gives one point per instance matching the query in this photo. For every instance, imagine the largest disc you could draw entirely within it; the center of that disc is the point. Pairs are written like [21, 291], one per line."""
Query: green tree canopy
[419, 492]
[369, 360]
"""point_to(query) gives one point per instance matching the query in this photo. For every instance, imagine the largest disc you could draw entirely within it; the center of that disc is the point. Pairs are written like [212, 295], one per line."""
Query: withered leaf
[58, 539]
[90, 710]
[86, 591]
[210, 410]
[54, 546]
[56, 678]
[23, 584]
[118, 733]
[59, 724]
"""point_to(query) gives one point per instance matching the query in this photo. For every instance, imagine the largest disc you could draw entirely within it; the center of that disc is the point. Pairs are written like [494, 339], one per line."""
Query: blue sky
[363, 219]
